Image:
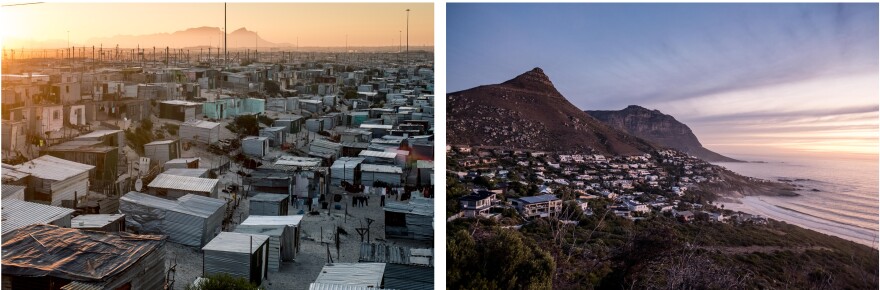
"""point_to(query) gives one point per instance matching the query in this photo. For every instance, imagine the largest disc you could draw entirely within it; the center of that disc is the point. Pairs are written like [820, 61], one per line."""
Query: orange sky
[324, 24]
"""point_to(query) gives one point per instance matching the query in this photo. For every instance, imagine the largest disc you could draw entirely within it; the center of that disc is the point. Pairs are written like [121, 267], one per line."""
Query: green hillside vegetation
[604, 251]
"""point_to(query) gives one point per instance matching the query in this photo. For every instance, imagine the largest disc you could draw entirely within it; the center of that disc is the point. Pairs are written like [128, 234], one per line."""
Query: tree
[245, 125]
[272, 88]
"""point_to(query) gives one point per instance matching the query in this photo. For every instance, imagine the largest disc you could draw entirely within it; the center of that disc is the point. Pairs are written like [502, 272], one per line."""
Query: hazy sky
[745, 77]
[325, 24]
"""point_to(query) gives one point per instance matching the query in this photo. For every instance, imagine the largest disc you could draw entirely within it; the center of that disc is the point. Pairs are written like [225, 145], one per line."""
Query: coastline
[759, 206]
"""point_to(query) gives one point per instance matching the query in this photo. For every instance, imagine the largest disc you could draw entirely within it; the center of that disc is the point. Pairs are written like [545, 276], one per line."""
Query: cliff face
[528, 112]
[658, 128]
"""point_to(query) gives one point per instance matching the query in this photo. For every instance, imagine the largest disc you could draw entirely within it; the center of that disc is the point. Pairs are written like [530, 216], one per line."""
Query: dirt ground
[317, 234]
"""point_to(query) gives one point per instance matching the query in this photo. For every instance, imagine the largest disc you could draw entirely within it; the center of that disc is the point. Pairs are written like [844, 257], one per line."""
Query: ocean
[839, 196]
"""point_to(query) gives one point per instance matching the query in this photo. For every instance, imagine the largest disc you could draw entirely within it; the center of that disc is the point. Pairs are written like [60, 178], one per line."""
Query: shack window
[66, 89]
[56, 115]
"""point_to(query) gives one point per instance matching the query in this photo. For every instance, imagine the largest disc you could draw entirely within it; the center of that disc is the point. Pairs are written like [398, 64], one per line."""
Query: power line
[21, 4]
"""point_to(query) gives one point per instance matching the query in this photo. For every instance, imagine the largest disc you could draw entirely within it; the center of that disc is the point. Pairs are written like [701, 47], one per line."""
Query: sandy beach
[765, 206]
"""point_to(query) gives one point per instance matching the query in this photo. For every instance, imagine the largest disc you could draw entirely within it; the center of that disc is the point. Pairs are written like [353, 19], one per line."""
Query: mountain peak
[534, 79]
[241, 30]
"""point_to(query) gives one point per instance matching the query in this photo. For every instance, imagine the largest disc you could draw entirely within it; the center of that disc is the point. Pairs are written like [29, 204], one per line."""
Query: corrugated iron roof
[160, 142]
[82, 146]
[187, 183]
[35, 250]
[416, 205]
[18, 214]
[9, 173]
[376, 126]
[298, 161]
[354, 274]
[191, 172]
[53, 168]
[385, 253]
[190, 204]
[236, 242]
[284, 220]
[200, 124]
[380, 154]
[408, 277]
[324, 286]
[180, 102]
[380, 168]
[9, 189]
[98, 133]
[82, 286]
[94, 220]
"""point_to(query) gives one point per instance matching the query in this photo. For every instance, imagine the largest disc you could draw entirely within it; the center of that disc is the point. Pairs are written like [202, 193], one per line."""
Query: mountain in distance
[527, 112]
[193, 37]
[659, 128]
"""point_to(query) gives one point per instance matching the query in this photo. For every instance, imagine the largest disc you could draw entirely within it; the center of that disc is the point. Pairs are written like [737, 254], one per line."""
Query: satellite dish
[139, 184]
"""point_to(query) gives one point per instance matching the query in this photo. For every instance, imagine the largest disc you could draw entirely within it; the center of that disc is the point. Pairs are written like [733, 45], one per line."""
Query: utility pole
[225, 55]
[407, 32]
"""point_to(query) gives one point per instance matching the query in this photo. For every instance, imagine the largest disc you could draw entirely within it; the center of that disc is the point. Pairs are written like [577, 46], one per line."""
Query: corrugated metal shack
[346, 169]
[104, 158]
[385, 253]
[355, 135]
[412, 220]
[175, 186]
[353, 149]
[290, 238]
[113, 138]
[237, 254]
[309, 175]
[379, 157]
[276, 135]
[200, 131]
[269, 204]
[269, 181]
[315, 125]
[389, 174]
[100, 260]
[275, 233]
[292, 123]
[408, 277]
[377, 130]
[99, 222]
[256, 146]
[18, 214]
[13, 191]
[179, 110]
[426, 171]
[182, 163]
[352, 274]
[191, 172]
[162, 151]
[191, 220]
[324, 148]
[53, 179]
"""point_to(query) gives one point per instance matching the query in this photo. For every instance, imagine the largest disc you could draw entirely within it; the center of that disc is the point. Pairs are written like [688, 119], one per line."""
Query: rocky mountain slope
[659, 128]
[528, 112]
